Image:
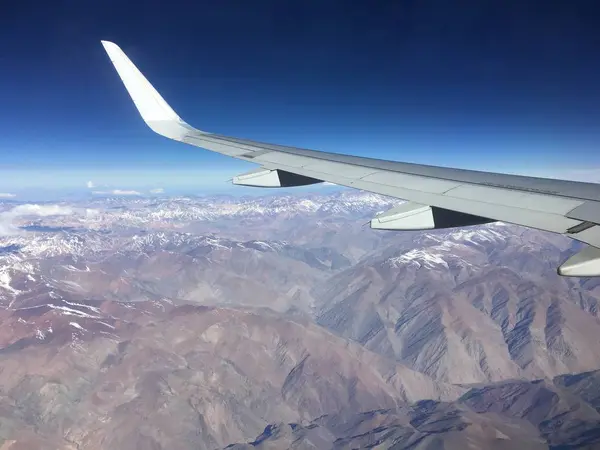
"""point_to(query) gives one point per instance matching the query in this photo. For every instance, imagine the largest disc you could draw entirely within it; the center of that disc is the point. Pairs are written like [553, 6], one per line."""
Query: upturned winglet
[155, 111]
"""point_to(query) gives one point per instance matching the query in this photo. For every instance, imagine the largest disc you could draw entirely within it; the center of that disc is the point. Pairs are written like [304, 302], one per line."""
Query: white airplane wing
[437, 197]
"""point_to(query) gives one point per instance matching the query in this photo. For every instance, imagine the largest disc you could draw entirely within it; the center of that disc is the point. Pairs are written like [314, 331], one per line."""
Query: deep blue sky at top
[498, 85]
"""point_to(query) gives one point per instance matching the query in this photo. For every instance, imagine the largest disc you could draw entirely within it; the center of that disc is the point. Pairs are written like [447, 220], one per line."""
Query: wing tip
[109, 45]
[155, 111]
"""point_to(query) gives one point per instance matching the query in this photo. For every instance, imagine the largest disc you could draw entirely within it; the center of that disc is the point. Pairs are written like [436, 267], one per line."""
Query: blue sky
[504, 86]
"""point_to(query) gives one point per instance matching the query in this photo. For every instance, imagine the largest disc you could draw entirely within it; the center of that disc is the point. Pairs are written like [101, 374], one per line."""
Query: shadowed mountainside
[506, 415]
[466, 306]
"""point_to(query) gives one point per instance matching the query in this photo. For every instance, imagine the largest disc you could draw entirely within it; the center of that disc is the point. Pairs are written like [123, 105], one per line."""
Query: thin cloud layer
[157, 191]
[7, 218]
[125, 192]
[6, 195]
[117, 192]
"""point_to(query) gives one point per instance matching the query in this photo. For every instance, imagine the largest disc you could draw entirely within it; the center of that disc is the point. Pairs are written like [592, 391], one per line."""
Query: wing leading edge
[437, 197]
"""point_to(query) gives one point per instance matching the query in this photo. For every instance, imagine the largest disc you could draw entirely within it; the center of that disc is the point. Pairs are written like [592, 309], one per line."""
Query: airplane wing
[437, 197]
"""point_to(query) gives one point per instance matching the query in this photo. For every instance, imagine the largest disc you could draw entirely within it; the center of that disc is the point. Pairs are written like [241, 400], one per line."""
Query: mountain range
[283, 322]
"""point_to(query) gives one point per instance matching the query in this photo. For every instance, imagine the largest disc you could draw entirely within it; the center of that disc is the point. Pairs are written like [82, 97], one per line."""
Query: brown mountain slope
[466, 308]
[189, 377]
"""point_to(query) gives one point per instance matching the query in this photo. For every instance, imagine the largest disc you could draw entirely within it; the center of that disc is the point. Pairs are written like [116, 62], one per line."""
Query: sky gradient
[497, 85]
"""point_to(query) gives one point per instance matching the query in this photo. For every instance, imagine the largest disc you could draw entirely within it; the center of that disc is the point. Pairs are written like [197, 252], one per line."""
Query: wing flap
[589, 236]
[589, 211]
[525, 200]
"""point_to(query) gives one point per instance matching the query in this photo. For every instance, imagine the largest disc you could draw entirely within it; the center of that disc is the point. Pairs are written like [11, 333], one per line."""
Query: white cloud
[6, 195]
[117, 192]
[41, 210]
[122, 192]
[7, 218]
[90, 212]
[90, 185]
[157, 191]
